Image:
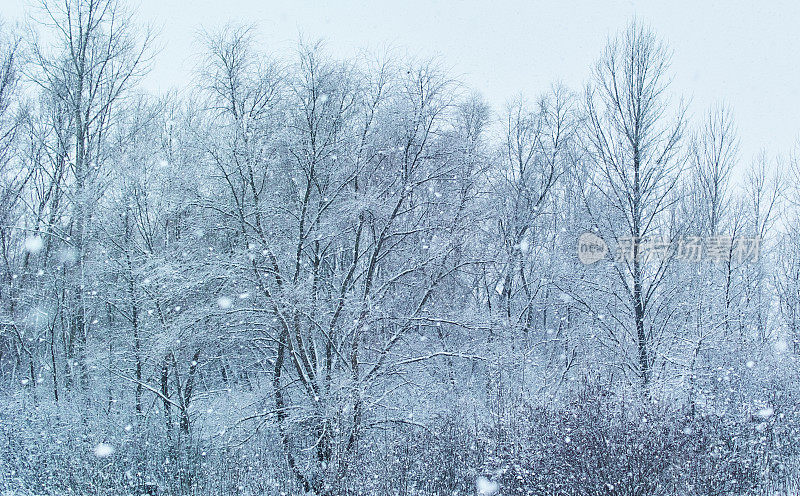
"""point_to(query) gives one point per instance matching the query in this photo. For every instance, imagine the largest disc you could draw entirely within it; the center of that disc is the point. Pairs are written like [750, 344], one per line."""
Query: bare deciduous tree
[634, 139]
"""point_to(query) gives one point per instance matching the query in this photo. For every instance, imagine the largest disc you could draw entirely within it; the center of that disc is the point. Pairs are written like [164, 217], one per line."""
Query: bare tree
[13, 180]
[634, 142]
[88, 69]
[713, 156]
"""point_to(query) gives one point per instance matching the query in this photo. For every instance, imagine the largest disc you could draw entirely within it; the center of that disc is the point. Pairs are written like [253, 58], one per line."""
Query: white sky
[742, 53]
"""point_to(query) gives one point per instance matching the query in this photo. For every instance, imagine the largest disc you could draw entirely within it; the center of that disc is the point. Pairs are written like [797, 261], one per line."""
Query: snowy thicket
[352, 277]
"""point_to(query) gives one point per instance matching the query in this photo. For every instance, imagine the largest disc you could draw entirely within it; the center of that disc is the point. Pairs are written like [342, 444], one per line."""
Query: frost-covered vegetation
[307, 275]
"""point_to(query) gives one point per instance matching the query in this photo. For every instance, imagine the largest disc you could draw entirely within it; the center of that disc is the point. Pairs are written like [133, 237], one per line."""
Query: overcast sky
[742, 53]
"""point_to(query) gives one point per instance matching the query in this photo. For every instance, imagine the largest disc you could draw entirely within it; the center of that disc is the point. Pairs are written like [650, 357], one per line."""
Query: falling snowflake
[766, 412]
[486, 487]
[103, 450]
[33, 244]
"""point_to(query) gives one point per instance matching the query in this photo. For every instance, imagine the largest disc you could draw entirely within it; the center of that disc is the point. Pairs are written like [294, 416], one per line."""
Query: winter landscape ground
[312, 274]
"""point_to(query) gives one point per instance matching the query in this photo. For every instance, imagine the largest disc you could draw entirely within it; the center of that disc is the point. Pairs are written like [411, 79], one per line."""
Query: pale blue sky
[741, 53]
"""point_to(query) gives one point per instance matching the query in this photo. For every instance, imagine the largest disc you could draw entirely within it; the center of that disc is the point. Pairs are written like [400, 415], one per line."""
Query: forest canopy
[303, 274]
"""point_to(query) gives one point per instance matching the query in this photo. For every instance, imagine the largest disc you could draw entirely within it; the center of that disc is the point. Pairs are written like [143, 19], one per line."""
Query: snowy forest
[308, 275]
